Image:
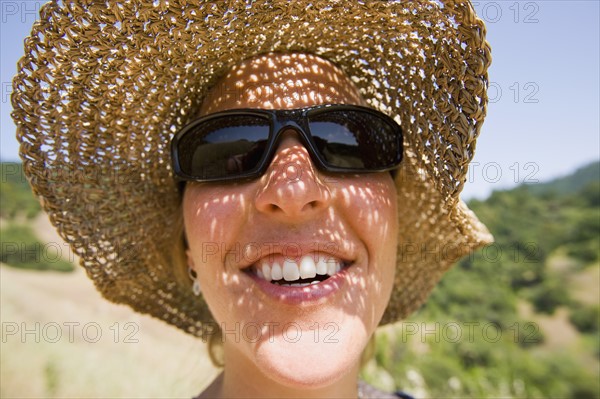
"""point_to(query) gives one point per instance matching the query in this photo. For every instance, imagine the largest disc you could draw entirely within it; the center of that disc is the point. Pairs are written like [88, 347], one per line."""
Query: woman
[286, 166]
[284, 223]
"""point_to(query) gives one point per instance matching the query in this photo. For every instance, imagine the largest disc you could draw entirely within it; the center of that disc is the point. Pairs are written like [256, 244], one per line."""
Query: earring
[196, 286]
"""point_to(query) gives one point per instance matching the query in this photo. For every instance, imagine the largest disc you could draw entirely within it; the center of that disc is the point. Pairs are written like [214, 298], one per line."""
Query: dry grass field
[60, 338]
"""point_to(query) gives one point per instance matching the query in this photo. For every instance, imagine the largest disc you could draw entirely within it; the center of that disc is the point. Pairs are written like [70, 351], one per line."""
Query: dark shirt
[368, 391]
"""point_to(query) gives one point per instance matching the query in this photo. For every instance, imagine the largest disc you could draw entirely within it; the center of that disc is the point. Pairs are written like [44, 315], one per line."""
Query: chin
[315, 360]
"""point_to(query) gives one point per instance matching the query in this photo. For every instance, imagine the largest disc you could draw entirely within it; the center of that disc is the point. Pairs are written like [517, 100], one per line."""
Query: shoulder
[366, 391]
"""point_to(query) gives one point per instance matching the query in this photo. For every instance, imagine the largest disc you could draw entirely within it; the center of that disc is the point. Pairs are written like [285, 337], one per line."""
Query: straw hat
[103, 86]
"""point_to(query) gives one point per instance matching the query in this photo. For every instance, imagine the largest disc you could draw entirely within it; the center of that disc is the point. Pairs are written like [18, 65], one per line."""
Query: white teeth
[307, 267]
[266, 271]
[332, 267]
[276, 272]
[321, 266]
[290, 270]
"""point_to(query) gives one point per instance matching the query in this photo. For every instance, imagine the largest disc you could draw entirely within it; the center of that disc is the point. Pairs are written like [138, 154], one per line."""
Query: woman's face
[293, 215]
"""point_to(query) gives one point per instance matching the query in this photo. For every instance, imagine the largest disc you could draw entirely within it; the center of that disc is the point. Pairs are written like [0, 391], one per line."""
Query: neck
[242, 378]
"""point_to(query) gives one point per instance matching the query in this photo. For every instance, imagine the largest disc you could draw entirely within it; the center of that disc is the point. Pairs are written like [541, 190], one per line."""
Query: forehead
[281, 81]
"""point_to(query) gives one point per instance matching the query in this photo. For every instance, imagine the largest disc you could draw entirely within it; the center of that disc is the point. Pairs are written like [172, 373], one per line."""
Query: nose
[292, 189]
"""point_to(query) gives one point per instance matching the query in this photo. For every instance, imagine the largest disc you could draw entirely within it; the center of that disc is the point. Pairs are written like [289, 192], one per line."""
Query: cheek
[370, 204]
[371, 210]
[210, 215]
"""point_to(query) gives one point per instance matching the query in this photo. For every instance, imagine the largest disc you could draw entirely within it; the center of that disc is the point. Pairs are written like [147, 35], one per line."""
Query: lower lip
[302, 295]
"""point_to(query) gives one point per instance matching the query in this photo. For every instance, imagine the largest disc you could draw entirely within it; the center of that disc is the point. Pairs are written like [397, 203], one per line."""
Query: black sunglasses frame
[280, 121]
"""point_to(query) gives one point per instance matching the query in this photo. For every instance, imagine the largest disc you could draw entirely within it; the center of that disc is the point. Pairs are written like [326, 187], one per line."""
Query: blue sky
[543, 117]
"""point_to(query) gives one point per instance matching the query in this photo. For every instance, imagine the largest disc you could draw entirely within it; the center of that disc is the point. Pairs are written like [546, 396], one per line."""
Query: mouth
[310, 269]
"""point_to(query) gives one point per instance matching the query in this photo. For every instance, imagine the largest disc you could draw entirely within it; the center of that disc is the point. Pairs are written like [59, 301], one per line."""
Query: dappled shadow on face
[292, 210]
[350, 218]
[284, 81]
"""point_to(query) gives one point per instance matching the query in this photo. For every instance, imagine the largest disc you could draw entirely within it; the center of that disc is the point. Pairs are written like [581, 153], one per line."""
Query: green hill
[16, 197]
[569, 184]
[475, 337]
[19, 246]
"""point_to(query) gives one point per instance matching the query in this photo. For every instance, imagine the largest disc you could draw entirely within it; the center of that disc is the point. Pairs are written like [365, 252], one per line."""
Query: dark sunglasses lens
[355, 139]
[224, 146]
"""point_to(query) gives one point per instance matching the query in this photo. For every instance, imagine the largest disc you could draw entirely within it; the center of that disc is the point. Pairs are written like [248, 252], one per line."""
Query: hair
[178, 252]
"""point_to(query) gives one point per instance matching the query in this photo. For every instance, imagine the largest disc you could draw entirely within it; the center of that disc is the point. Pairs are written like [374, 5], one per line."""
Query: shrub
[549, 295]
[20, 248]
[585, 318]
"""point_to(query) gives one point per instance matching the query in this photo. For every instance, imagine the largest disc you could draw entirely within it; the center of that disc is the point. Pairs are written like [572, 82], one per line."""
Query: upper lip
[291, 249]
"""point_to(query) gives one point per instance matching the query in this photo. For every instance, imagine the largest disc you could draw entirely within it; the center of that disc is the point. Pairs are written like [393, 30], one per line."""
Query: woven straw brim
[104, 85]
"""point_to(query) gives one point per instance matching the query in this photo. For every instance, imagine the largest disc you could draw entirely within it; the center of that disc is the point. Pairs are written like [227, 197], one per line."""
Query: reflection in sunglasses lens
[224, 147]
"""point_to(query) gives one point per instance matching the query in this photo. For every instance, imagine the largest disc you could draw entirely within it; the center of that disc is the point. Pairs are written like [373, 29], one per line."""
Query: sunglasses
[240, 143]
